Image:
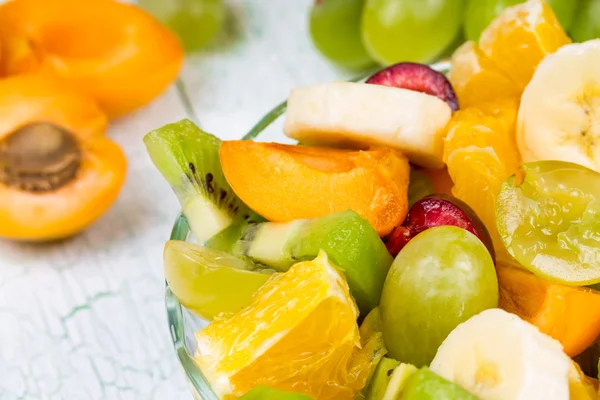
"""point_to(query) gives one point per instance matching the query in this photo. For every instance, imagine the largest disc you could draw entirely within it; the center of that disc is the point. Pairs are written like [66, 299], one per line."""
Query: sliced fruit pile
[411, 209]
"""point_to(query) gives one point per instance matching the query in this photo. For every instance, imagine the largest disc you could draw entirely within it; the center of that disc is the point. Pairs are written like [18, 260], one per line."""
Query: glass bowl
[182, 323]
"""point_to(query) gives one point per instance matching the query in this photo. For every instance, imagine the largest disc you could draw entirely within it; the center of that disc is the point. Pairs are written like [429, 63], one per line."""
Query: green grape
[408, 30]
[441, 278]
[194, 21]
[587, 22]
[335, 31]
[207, 281]
[480, 13]
[550, 221]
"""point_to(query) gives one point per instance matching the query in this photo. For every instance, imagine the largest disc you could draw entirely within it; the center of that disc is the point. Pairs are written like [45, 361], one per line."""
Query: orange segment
[480, 153]
[283, 182]
[299, 334]
[476, 79]
[520, 37]
[571, 315]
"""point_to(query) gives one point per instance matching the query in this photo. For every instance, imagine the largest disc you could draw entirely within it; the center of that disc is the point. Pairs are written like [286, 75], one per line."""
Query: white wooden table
[84, 319]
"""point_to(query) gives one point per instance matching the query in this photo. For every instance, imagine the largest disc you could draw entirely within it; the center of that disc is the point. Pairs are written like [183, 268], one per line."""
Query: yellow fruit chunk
[480, 153]
[581, 387]
[476, 79]
[299, 334]
[520, 37]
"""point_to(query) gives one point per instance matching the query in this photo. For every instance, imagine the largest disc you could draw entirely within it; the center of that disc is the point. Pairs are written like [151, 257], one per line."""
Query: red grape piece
[417, 77]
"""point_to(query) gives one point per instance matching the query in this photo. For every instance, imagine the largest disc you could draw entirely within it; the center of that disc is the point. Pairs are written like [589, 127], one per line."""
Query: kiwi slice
[188, 158]
[381, 378]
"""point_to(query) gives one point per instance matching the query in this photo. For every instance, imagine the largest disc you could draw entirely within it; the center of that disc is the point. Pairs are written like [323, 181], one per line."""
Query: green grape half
[208, 281]
[480, 13]
[335, 31]
[409, 30]
[194, 21]
[549, 221]
[587, 22]
[441, 278]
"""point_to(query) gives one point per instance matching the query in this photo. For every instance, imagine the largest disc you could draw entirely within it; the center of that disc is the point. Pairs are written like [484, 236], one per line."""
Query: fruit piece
[419, 186]
[398, 380]
[586, 25]
[480, 13]
[335, 32]
[442, 183]
[381, 379]
[299, 334]
[497, 355]
[404, 30]
[194, 21]
[580, 387]
[284, 182]
[476, 79]
[565, 86]
[520, 37]
[372, 346]
[114, 52]
[263, 392]
[444, 271]
[569, 315]
[427, 385]
[58, 173]
[437, 210]
[188, 158]
[480, 152]
[360, 115]
[348, 239]
[207, 281]
[548, 220]
[418, 77]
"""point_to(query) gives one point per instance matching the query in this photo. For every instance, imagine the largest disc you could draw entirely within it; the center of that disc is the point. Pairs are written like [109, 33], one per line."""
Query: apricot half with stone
[58, 173]
[285, 182]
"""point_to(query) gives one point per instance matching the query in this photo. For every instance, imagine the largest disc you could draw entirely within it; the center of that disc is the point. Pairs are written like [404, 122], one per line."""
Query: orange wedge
[570, 315]
[476, 79]
[480, 153]
[520, 37]
[299, 334]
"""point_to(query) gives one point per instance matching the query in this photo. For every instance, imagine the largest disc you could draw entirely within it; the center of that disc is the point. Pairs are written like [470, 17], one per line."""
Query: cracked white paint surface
[85, 318]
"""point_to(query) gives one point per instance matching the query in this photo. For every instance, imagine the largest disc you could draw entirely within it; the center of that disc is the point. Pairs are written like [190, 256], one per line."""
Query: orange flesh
[283, 182]
[115, 52]
[571, 315]
[26, 99]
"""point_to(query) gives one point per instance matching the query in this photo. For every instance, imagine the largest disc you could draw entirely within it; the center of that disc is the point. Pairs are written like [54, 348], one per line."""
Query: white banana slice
[498, 356]
[360, 115]
[559, 116]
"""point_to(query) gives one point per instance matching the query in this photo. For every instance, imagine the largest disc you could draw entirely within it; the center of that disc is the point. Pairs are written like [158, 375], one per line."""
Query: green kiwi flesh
[189, 160]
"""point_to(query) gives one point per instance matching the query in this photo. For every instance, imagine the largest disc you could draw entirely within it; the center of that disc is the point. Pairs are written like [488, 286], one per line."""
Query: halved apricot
[58, 173]
[284, 182]
[569, 314]
[113, 51]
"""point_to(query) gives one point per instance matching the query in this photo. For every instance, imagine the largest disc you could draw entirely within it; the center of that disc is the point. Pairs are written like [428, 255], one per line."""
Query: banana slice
[360, 115]
[498, 356]
[559, 116]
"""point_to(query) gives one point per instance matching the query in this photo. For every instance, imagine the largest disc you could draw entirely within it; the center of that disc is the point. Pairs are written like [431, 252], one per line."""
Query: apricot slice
[285, 182]
[58, 173]
[570, 315]
[113, 51]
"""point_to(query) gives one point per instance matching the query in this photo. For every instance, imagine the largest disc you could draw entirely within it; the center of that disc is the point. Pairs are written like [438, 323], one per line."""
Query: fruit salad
[430, 236]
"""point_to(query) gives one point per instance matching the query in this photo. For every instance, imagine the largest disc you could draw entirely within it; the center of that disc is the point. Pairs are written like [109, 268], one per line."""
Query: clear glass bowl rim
[181, 231]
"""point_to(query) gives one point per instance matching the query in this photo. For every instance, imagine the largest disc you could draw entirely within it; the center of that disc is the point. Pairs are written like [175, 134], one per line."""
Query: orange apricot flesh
[570, 315]
[284, 182]
[115, 52]
[41, 215]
